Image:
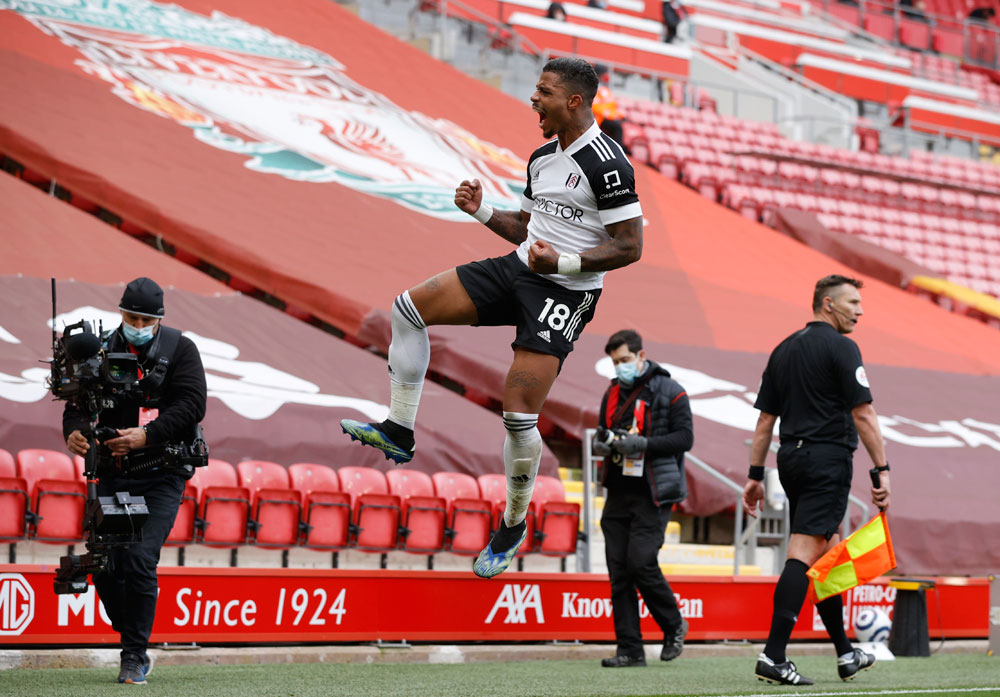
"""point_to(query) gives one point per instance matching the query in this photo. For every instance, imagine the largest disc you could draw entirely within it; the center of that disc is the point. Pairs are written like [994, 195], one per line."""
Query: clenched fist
[543, 258]
[469, 196]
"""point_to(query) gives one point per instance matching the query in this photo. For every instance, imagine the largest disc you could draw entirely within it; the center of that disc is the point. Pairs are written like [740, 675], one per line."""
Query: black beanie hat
[143, 297]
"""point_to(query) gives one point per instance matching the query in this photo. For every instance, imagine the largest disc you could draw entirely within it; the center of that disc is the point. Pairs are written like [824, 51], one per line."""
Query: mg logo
[517, 600]
[17, 604]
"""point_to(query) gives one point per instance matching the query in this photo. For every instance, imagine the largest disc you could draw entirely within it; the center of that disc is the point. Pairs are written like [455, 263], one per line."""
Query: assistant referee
[816, 382]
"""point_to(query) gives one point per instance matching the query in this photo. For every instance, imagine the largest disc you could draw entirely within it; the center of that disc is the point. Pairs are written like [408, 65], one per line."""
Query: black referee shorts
[548, 317]
[817, 479]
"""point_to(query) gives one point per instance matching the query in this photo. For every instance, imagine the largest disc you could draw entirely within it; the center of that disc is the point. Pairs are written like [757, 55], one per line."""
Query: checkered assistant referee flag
[865, 555]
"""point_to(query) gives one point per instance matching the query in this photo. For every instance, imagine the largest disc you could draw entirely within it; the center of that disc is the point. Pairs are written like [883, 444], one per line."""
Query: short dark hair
[824, 284]
[577, 75]
[627, 337]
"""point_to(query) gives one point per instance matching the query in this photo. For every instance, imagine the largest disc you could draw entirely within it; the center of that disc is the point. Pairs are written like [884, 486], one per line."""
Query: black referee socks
[789, 594]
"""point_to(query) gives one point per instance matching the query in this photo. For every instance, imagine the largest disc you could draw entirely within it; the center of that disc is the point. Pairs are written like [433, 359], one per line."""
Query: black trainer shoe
[779, 673]
[673, 646]
[847, 668]
[132, 671]
[624, 662]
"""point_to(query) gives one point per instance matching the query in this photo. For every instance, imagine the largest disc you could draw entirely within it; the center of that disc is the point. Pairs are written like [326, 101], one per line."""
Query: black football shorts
[548, 317]
[817, 479]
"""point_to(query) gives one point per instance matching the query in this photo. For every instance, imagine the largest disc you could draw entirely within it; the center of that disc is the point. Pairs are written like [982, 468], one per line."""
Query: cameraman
[643, 433]
[170, 403]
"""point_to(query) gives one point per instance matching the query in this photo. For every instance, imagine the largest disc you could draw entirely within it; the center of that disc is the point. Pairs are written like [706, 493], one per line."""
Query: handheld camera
[85, 375]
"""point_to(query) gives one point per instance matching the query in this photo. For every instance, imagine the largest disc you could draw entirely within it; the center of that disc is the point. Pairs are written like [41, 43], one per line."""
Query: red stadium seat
[424, 512]
[13, 508]
[376, 511]
[469, 516]
[57, 496]
[224, 507]
[183, 531]
[915, 34]
[701, 178]
[275, 508]
[494, 490]
[326, 510]
[558, 520]
[8, 467]
[81, 466]
[13, 500]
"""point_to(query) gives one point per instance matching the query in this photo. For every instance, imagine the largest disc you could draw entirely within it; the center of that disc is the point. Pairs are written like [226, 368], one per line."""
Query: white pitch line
[919, 691]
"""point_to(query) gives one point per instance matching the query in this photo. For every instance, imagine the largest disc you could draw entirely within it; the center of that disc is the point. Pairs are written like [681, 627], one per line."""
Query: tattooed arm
[510, 225]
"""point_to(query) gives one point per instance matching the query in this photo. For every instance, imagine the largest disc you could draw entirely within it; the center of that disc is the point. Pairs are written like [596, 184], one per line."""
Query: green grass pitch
[964, 674]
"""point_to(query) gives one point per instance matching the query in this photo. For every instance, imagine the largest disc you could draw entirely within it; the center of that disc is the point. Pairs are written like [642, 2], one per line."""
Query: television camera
[90, 378]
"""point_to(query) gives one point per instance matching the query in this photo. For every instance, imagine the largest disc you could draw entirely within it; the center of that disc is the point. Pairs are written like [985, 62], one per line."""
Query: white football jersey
[572, 194]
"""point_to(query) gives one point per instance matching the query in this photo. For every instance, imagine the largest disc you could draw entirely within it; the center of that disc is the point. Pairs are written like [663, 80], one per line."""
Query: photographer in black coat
[643, 433]
[167, 411]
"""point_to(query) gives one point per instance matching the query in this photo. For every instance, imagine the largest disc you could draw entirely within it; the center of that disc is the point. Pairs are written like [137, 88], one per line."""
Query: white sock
[409, 356]
[521, 452]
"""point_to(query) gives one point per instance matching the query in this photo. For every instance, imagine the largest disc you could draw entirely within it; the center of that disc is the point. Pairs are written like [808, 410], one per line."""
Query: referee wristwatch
[883, 468]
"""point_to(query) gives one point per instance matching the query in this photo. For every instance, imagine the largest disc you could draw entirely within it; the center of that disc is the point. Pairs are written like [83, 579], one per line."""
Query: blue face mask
[626, 372]
[138, 337]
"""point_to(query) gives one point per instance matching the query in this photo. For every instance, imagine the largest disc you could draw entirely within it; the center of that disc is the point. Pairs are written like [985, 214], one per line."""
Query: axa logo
[17, 604]
[517, 600]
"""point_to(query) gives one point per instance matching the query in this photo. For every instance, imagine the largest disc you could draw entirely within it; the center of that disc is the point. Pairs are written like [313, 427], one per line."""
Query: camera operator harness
[181, 457]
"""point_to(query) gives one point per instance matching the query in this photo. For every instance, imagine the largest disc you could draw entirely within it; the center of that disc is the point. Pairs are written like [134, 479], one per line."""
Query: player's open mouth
[541, 118]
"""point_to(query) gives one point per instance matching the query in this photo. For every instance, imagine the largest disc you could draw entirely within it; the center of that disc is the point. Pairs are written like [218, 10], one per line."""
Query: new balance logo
[544, 335]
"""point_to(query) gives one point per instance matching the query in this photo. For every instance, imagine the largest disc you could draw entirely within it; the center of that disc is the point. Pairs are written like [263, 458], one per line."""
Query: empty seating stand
[470, 516]
[566, 38]
[906, 205]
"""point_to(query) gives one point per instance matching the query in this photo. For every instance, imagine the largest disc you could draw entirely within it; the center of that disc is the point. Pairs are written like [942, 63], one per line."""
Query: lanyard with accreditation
[631, 466]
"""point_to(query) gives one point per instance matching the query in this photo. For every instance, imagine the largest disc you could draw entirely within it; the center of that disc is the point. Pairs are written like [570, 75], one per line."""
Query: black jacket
[180, 399]
[667, 428]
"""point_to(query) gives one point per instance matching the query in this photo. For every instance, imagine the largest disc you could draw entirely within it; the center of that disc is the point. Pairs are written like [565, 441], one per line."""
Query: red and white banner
[292, 605]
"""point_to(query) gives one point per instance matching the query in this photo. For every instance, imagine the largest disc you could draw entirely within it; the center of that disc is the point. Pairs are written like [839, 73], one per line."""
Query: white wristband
[569, 263]
[484, 213]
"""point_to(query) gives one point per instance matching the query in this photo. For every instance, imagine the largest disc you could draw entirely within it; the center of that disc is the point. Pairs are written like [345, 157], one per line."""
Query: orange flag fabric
[865, 555]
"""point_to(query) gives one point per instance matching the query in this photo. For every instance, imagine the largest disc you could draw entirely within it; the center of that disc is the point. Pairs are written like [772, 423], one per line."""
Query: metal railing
[912, 134]
[744, 535]
[691, 85]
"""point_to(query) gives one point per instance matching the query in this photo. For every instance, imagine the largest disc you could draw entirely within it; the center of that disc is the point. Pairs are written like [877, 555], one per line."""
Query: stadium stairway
[676, 558]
